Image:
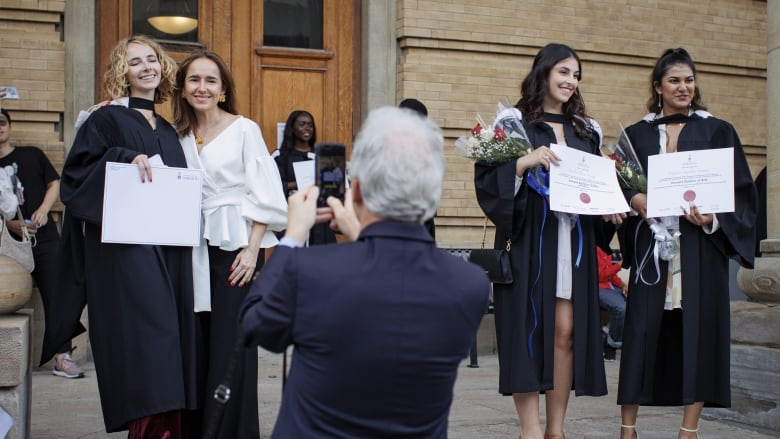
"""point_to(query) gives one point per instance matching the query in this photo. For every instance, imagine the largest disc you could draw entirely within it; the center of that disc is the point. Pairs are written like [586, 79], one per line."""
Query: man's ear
[357, 196]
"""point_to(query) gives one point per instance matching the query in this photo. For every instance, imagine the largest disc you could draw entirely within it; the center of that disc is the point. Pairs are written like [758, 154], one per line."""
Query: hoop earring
[660, 103]
[222, 97]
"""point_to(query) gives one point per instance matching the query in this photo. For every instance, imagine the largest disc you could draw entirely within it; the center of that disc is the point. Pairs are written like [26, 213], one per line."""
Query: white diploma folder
[165, 211]
[704, 178]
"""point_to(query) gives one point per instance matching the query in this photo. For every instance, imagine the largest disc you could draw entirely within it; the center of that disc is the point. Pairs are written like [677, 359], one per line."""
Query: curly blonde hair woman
[115, 78]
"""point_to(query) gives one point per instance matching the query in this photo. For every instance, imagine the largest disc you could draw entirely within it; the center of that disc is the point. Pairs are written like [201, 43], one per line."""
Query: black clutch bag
[495, 262]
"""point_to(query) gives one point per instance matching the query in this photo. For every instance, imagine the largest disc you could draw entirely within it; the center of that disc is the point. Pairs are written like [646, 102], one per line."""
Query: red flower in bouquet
[494, 146]
[629, 170]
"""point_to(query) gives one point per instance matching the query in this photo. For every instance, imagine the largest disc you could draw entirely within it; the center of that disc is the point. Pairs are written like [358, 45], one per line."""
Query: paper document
[704, 178]
[6, 422]
[304, 173]
[165, 211]
[585, 184]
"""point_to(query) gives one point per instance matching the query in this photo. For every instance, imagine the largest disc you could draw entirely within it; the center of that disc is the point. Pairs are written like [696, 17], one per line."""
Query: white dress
[241, 184]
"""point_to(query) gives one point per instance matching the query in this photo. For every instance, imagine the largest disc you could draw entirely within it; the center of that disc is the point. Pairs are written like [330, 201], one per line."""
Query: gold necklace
[198, 137]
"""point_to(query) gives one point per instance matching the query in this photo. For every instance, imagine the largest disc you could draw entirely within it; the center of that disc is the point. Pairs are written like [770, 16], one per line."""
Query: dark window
[171, 20]
[292, 23]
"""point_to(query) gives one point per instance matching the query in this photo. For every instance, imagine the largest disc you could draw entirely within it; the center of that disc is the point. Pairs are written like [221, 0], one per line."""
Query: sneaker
[65, 367]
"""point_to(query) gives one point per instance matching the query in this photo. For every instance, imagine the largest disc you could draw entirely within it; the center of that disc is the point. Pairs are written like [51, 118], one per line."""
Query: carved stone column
[755, 334]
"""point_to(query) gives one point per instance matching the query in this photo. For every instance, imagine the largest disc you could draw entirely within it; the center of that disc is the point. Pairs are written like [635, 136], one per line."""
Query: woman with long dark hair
[676, 336]
[547, 320]
[300, 136]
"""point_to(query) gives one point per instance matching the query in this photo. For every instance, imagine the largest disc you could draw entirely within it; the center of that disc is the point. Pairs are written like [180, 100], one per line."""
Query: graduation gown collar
[698, 114]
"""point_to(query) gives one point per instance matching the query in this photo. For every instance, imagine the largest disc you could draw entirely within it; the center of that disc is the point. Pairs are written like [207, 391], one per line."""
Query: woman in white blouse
[242, 205]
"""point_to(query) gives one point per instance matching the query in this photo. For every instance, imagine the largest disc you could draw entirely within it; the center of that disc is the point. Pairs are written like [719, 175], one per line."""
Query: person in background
[761, 230]
[380, 325]
[676, 342]
[41, 189]
[420, 108]
[612, 297]
[145, 337]
[242, 205]
[551, 311]
[300, 136]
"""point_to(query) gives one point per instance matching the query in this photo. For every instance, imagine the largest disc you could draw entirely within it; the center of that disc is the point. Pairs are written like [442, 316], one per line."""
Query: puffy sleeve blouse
[241, 184]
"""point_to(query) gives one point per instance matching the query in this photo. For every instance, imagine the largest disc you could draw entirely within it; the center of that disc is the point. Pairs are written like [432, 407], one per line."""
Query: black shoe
[610, 353]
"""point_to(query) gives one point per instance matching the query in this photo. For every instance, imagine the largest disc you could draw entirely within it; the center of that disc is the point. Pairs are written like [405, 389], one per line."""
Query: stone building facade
[460, 58]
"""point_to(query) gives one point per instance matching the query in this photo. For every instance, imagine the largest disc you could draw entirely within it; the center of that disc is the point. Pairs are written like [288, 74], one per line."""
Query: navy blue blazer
[379, 325]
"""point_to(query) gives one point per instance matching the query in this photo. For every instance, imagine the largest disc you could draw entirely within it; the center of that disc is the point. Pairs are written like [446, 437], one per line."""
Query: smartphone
[330, 168]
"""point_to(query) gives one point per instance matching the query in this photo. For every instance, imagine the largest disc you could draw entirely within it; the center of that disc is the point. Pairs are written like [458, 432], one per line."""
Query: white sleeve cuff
[712, 228]
[518, 183]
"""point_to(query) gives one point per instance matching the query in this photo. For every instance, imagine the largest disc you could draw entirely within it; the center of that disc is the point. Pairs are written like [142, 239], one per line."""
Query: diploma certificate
[584, 183]
[165, 211]
[704, 178]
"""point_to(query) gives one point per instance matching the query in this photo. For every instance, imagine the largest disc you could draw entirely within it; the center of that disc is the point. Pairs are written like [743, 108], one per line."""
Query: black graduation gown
[698, 370]
[320, 233]
[145, 337]
[520, 217]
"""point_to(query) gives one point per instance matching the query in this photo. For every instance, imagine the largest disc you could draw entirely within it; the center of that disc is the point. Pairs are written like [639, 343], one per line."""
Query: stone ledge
[755, 387]
[14, 348]
[755, 324]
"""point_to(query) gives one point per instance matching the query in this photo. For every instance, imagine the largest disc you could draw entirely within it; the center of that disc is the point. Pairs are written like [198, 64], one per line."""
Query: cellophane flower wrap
[494, 146]
[629, 170]
[632, 176]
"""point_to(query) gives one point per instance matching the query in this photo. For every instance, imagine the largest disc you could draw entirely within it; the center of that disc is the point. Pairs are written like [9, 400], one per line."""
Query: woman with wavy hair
[145, 337]
[547, 320]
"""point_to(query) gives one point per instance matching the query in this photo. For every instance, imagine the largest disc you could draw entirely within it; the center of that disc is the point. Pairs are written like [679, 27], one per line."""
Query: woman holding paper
[676, 335]
[299, 138]
[242, 204]
[547, 321]
[144, 335]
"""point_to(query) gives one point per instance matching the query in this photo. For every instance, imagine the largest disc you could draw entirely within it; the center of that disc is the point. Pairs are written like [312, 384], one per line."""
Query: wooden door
[271, 81]
[319, 81]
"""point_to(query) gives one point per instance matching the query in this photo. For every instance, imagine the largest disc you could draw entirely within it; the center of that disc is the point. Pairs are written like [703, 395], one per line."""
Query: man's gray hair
[398, 160]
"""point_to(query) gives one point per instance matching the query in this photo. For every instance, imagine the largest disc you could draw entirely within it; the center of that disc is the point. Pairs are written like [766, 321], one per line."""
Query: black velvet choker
[674, 118]
[141, 104]
[554, 118]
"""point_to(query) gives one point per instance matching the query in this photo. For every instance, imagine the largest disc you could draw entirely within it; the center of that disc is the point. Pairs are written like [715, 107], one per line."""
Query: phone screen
[330, 170]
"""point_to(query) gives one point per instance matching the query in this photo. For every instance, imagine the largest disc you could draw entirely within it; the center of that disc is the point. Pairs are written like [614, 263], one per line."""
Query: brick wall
[32, 59]
[460, 57]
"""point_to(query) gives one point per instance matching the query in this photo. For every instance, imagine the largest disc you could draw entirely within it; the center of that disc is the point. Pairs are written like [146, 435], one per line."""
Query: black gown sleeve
[495, 189]
[737, 234]
[83, 175]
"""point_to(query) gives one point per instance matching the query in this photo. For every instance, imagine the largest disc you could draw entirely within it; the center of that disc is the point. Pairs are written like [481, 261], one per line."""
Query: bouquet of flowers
[632, 176]
[495, 146]
[630, 171]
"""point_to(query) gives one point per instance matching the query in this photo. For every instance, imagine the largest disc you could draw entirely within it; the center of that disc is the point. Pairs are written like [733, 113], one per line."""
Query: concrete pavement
[69, 409]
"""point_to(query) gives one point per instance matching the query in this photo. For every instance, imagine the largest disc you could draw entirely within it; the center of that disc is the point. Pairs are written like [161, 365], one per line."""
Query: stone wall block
[14, 345]
[755, 324]
[755, 387]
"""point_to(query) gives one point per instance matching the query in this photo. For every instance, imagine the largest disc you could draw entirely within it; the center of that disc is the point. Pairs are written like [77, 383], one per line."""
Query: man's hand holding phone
[303, 213]
[344, 219]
